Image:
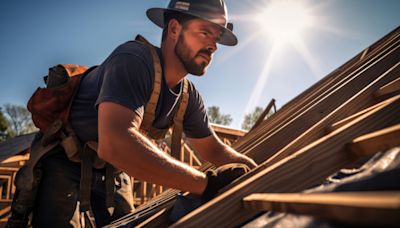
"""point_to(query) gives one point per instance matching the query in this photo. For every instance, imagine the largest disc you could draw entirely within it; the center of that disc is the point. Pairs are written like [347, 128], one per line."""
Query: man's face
[196, 45]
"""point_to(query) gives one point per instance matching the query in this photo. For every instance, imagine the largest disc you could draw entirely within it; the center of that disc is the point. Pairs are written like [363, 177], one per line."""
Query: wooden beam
[266, 111]
[391, 87]
[305, 100]
[284, 134]
[315, 92]
[5, 211]
[16, 158]
[347, 120]
[324, 84]
[305, 168]
[374, 142]
[9, 182]
[356, 208]
[316, 130]
[147, 222]
[5, 203]
[227, 130]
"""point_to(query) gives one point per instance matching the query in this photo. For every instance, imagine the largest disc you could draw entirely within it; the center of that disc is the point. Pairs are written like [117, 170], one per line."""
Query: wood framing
[356, 208]
[392, 87]
[376, 141]
[266, 111]
[294, 147]
[294, 107]
[279, 137]
[303, 169]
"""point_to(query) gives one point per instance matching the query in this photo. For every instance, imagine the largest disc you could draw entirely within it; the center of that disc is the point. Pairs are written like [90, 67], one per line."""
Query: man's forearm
[139, 157]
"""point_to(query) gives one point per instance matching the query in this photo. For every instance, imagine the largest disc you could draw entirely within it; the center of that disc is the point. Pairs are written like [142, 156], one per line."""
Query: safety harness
[50, 108]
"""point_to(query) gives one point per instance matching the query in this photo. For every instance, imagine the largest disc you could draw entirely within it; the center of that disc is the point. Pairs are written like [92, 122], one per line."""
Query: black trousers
[57, 200]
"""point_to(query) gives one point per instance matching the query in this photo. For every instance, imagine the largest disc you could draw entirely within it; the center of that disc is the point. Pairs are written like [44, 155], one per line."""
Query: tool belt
[85, 154]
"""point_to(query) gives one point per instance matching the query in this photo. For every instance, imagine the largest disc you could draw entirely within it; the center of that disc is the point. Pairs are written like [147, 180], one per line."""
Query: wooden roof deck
[350, 113]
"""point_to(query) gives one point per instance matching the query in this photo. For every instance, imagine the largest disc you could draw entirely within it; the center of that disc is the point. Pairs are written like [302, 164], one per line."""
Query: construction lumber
[266, 111]
[8, 181]
[17, 158]
[362, 99]
[4, 203]
[301, 170]
[5, 212]
[355, 208]
[298, 105]
[277, 138]
[325, 85]
[392, 87]
[376, 141]
[230, 132]
[302, 103]
[346, 120]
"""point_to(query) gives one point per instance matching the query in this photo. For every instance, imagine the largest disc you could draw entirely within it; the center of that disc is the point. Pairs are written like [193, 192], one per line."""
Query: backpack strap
[150, 109]
[178, 121]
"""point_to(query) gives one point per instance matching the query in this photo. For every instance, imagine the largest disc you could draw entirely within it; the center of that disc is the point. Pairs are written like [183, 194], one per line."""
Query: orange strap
[150, 109]
[178, 121]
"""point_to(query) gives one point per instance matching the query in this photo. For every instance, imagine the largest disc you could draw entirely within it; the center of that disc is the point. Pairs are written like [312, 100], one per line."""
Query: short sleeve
[126, 81]
[196, 123]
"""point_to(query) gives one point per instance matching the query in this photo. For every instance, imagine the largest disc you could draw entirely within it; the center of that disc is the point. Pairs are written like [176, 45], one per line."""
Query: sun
[284, 20]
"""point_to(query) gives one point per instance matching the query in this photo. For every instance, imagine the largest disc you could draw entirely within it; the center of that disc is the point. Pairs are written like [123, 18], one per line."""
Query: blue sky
[38, 34]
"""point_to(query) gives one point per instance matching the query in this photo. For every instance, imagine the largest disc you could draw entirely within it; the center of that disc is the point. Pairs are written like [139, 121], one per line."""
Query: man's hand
[221, 177]
[213, 150]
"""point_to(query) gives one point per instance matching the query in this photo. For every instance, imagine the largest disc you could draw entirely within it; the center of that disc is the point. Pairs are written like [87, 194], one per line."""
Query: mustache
[205, 51]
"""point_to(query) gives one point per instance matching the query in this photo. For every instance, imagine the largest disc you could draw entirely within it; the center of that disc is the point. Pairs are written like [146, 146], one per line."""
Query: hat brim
[156, 15]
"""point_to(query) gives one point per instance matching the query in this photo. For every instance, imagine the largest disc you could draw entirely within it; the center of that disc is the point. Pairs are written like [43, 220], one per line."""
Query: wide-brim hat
[213, 11]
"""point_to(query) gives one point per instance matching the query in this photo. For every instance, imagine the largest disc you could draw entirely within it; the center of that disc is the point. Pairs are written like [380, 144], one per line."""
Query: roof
[349, 115]
[15, 145]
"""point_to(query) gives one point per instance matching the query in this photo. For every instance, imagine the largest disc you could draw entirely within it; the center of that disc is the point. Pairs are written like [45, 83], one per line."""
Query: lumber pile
[351, 113]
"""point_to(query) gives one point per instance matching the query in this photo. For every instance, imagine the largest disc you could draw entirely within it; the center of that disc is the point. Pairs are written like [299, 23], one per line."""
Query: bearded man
[112, 102]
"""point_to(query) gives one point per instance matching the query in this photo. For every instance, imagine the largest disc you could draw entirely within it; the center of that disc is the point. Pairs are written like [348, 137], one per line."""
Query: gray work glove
[221, 177]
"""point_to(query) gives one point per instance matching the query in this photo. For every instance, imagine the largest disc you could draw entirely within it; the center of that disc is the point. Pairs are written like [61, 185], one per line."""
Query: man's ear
[174, 29]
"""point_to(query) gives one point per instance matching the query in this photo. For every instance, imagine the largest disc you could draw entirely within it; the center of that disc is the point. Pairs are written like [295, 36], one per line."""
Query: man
[109, 109]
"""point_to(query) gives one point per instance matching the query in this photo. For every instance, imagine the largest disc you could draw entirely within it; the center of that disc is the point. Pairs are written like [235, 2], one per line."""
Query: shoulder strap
[178, 121]
[150, 109]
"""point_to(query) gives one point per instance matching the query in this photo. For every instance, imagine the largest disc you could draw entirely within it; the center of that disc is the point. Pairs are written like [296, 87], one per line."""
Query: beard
[183, 51]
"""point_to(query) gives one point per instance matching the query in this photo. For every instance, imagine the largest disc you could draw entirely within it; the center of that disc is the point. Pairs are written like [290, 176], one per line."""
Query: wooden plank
[9, 183]
[325, 85]
[324, 103]
[361, 99]
[356, 208]
[364, 53]
[150, 221]
[305, 168]
[266, 111]
[16, 158]
[5, 203]
[321, 125]
[9, 169]
[347, 120]
[392, 87]
[296, 127]
[5, 211]
[310, 134]
[227, 130]
[374, 142]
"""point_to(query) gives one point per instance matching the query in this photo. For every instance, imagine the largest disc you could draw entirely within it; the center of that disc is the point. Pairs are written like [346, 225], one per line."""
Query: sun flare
[284, 21]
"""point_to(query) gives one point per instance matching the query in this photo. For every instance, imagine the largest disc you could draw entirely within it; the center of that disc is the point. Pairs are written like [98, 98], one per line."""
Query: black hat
[211, 10]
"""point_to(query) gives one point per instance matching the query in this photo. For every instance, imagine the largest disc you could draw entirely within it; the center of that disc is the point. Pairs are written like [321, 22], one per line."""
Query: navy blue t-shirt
[126, 78]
